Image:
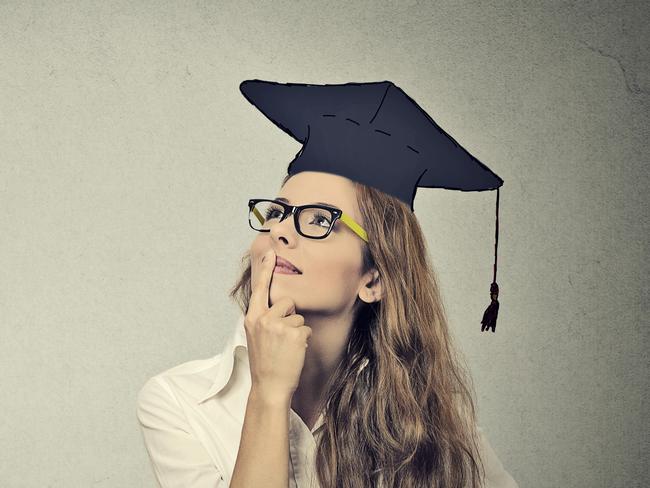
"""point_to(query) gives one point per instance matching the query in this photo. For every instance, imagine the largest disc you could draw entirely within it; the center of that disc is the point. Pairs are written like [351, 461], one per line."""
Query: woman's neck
[327, 345]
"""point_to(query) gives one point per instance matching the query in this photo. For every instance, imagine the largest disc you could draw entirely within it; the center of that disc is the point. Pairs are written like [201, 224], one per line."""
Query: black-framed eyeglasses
[312, 221]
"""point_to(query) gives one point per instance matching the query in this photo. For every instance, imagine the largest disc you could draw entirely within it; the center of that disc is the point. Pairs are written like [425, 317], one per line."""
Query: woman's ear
[371, 289]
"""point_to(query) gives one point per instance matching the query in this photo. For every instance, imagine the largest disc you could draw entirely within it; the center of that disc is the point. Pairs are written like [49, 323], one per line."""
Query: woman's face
[331, 278]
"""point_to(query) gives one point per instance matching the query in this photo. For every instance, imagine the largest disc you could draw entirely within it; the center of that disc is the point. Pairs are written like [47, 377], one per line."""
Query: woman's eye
[271, 213]
[322, 219]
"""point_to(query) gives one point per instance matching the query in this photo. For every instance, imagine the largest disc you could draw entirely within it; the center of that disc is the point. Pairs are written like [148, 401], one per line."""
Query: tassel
[490, 315]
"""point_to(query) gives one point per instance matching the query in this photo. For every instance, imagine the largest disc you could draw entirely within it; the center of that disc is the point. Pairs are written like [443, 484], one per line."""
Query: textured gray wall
[127, 155]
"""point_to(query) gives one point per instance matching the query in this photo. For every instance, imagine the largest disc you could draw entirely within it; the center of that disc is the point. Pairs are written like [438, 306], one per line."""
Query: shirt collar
[226, 366]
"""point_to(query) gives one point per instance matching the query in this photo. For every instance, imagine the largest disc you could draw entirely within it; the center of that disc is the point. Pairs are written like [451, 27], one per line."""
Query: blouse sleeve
[495, 474]
[177, 457]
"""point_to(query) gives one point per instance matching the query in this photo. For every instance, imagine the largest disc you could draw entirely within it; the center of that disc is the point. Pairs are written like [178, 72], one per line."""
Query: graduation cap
[375, 134]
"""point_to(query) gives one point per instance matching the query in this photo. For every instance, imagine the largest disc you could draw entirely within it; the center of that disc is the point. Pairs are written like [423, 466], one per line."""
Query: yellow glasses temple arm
[354, 226]
[258, 215]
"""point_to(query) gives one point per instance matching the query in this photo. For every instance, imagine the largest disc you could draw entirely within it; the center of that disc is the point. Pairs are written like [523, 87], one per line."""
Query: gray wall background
[127, 155]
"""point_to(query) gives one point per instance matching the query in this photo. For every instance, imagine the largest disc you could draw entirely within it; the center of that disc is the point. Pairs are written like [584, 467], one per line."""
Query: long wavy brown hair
[408, 418]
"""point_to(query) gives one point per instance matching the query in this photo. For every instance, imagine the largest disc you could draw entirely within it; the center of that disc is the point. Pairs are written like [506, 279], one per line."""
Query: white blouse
[192, 415]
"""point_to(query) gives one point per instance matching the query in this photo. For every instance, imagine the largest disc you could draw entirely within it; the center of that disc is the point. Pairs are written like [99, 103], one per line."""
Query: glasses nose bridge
[289, 211]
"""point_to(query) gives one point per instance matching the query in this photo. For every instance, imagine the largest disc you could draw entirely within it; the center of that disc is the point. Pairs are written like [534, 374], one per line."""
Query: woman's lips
[284, 270]
[285, 263]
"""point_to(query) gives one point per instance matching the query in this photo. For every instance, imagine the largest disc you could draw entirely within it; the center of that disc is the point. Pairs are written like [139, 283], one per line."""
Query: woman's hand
[276, 339]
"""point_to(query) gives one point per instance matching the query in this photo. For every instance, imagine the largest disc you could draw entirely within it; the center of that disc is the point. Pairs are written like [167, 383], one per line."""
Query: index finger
[260, 295]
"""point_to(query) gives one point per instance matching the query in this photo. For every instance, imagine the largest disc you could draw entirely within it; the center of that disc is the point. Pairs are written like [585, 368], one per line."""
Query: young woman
[341, 372]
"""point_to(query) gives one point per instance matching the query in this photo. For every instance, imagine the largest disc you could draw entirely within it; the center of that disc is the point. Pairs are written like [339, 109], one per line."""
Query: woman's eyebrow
[282, 199]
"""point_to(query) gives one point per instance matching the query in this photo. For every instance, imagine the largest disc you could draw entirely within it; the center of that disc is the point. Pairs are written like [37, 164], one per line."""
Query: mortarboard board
[375, 134]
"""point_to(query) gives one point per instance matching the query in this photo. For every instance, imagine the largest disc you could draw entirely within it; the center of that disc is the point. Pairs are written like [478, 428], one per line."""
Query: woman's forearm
[263, 456]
